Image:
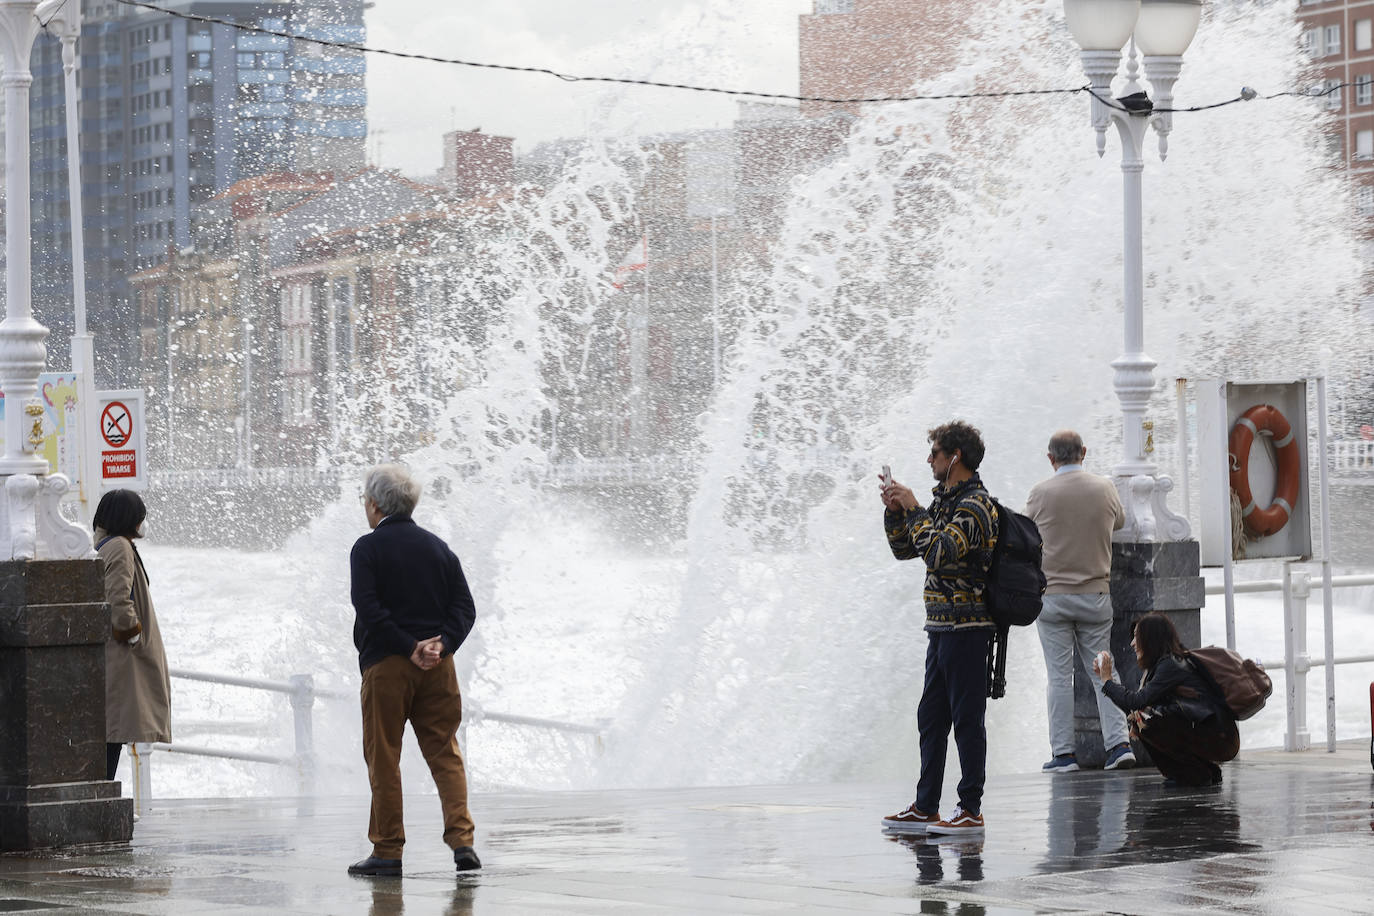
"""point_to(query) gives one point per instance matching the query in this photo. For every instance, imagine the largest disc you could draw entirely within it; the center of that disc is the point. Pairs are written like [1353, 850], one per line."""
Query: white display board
[119, 439]
[59, 392]
[1220, 405]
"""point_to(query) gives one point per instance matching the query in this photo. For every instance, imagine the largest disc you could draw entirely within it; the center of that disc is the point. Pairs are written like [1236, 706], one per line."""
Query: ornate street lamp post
[1161, 31]
[30, 523]
[52, 644]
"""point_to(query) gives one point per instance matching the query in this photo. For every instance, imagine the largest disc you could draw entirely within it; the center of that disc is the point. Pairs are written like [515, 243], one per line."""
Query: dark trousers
[396, 691]
[112, 759]
[1188, 753]
[955, 696]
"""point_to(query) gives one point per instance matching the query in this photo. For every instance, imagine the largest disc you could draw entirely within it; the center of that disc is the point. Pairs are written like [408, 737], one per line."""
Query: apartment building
[1338, 38]
[174, 111]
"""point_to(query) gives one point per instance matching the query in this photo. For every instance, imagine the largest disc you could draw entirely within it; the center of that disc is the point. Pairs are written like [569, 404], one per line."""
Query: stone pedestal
[1164, 576]
[53, 626]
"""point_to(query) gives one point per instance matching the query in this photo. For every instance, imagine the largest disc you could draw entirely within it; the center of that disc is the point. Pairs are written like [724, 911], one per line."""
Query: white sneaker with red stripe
[959, 822]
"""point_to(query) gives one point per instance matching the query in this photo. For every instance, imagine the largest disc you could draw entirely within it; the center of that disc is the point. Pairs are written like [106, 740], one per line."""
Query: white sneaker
[959, 822]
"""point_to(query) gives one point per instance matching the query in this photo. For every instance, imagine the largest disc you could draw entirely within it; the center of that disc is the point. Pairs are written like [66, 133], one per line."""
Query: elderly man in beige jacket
[1076, 513]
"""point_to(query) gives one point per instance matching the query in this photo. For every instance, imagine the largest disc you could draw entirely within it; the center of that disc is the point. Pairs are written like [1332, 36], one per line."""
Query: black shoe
[465, 858]
[374, 867]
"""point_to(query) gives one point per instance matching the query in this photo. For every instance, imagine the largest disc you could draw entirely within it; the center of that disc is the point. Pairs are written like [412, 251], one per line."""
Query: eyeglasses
[936, 451]
[362, 498]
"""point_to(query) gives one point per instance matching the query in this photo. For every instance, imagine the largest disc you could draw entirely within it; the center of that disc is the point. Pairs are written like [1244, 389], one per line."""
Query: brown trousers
[1189, 753]
[394, 691]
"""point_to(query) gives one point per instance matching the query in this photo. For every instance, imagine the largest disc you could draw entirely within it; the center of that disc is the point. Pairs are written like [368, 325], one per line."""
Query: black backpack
[1015, 581]
[1014, 589]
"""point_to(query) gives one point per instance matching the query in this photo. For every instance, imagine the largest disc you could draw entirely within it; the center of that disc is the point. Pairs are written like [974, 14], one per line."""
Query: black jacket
[406, 586]
[1159, 688]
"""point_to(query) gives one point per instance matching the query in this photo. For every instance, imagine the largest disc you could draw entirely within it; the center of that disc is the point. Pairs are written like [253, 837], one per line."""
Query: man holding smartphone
[955, 537]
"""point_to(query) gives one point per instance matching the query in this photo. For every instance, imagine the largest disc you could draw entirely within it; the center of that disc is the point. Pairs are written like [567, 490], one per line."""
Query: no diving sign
[121, 438]
[116, 424]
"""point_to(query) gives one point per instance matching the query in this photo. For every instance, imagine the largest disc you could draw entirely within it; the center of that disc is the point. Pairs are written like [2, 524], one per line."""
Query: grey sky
[715, 42]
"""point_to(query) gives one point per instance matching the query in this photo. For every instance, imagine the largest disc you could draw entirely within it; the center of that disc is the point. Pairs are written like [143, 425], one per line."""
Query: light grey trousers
[1081, 624]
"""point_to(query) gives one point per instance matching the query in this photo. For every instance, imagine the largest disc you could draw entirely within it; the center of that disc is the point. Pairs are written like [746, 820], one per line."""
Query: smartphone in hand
[885, 478]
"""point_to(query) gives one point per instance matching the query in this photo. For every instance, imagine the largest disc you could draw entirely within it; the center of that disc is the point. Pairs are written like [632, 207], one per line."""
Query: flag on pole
[637, 258]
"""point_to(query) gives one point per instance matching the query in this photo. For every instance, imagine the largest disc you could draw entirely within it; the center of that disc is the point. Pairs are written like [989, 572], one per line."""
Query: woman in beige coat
[138, 694]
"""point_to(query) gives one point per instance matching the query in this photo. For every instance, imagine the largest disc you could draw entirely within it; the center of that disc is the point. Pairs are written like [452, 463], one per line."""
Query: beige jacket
[1076, 513]
[138, 692]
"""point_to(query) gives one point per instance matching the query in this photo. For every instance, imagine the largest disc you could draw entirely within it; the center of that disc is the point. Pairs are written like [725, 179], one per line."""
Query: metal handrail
[1276, 585]
[215, 752]
[598, 729]
[302, 692]
[1296, 588]
[255, 683]
[1278, 665]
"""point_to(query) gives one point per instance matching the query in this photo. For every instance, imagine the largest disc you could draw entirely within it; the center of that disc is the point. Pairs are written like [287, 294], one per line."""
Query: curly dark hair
[1156, 637]
[961, 437]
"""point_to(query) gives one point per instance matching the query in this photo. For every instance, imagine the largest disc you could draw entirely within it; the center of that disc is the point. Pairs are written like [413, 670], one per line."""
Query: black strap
[997, 664]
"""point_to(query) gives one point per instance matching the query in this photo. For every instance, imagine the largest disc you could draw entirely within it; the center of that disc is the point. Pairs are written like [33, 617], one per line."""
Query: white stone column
[22, 351]
[31, 523]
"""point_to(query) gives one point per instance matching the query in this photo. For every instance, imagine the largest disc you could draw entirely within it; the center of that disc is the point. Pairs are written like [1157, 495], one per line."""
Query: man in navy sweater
[413, 610]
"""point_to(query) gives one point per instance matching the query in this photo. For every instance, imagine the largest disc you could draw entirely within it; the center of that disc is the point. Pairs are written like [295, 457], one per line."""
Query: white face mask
[143, 529]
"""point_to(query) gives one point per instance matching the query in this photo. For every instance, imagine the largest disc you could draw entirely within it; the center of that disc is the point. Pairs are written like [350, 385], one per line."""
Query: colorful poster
[61, 446]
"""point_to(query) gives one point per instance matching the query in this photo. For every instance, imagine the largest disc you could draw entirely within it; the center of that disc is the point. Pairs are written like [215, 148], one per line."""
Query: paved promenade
[1289, 834]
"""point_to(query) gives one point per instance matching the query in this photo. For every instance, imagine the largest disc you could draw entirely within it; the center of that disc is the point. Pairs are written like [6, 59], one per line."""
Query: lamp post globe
[1166, 27]
[1101, 25]
[1160, 31]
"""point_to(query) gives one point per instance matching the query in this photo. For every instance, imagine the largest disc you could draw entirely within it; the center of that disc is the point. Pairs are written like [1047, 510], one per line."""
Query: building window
[343, 322]
[1311, 44]
[1333, 94]
[1364, 89]
[1364, 200]
[825, 7]
[1364, 144]
[1364, 34]
[1333, 40]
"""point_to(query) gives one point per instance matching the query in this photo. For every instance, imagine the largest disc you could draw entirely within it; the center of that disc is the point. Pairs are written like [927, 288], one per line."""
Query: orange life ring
[1265, 420]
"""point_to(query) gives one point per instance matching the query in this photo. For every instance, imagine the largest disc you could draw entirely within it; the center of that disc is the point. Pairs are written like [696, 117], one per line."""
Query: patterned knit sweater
[954, 537]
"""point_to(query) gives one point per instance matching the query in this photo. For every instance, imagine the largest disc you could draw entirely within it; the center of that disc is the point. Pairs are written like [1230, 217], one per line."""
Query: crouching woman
[1176, 713]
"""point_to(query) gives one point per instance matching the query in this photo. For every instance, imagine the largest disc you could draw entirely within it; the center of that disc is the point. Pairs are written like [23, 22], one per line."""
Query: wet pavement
[1290, 834]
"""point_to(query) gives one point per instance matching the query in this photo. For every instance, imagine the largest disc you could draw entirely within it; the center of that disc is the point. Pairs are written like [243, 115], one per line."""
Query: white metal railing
[583, 472]
[1351, 456]
[301, 690]
[644, 470]
[1296, 588]
[244, 478]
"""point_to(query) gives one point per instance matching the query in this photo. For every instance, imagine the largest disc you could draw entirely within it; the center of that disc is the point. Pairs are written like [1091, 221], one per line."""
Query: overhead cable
[1245, 95]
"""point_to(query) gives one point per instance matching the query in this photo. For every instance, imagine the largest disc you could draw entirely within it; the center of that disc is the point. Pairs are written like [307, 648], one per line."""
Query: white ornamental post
[30, 523]
[1162, 30]
[64, 19]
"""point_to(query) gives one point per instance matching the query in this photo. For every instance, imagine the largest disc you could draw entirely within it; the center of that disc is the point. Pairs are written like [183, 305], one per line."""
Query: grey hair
[1066, 447]
[392, 490]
